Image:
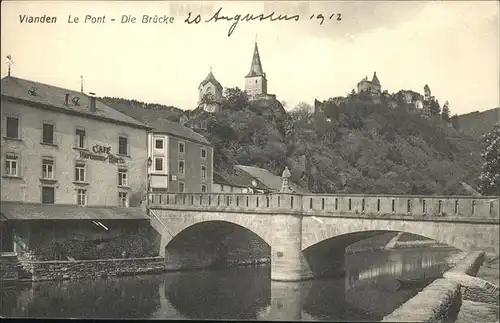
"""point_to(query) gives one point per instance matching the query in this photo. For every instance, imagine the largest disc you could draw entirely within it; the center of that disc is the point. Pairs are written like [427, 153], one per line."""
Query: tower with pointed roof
[427, 92]
[210, 93]
[255, 80]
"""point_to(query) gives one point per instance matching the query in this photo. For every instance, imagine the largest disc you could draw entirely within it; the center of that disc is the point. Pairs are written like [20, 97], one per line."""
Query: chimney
[92, 102]
[66, 100]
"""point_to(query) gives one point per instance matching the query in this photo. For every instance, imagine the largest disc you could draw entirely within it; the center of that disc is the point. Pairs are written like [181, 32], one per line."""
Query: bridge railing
[228, 201]
[460, 206]
[326, 204]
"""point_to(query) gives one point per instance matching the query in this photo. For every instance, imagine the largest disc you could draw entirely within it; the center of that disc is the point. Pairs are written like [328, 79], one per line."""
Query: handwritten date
[236, 19]
[336, 16]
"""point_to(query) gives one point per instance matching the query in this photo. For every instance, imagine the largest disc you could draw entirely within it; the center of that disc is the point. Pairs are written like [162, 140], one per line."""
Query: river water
[367, 292]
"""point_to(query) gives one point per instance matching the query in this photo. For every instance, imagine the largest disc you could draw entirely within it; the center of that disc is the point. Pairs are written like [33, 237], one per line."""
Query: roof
[375, 79]
[177, 130]
[211, 79]
[270, 180]
[256, 67]
[36, 211]
[54, 97]
[236, 177]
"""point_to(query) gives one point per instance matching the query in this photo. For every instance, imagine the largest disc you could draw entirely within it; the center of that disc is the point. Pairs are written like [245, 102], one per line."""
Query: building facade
[66, 147]
[73, 170]
[181, 160]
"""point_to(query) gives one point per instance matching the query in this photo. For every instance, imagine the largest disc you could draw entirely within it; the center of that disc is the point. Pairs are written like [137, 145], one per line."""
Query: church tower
[255, 81]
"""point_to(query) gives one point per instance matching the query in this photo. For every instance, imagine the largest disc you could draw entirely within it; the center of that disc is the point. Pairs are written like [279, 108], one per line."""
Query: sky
[451, 46]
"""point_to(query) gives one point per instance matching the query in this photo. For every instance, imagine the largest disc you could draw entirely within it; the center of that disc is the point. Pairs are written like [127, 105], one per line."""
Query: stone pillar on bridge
[287, 261]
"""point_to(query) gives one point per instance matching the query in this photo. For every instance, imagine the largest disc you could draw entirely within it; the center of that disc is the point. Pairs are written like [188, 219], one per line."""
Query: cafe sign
[101, 153]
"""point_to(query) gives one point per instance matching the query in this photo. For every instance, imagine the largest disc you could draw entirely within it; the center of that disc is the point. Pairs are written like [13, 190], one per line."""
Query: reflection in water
[368, 292]
[239, 293]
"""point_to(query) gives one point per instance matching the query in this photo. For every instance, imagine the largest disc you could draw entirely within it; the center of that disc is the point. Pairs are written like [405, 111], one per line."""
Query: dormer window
[75, 100]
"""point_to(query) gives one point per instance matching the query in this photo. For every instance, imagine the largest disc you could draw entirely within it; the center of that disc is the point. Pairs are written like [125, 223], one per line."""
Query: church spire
[256, 67]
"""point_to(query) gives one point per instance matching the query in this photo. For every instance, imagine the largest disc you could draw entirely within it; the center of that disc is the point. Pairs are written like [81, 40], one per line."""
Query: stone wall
[438, 301]
[92, 269]
[9, 268]
[442, 299]
[83, 240]
[242, 247]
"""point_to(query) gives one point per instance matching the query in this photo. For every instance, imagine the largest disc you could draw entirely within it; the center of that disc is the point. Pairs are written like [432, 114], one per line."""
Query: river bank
[481, 303]
[460, 296]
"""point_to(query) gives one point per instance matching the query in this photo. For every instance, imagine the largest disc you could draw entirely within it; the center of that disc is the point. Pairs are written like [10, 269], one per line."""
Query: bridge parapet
[255, 203]
[335, 205]
[407, 205]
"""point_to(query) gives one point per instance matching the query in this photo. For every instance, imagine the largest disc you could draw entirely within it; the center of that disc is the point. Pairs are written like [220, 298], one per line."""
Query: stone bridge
[306, 235]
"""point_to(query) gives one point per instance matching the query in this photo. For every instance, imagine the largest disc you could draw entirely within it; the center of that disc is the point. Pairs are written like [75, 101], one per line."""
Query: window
[11, 165]
[181, 148]
[181, 167]
[203, 153]
[123, 145]
[12, 130]
[122, 177]
[181, 187]
[80, 138]
[48, 195]
[203, 188]
[81, 197]
[221, 188]
[159, 143]
[47, 168]
[80, 172]
[48, 133]
[123, 199]
[203, 172]
[158, 164]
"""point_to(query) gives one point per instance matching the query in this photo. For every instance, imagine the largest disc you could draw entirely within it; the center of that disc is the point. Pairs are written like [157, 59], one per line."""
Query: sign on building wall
[101, 153]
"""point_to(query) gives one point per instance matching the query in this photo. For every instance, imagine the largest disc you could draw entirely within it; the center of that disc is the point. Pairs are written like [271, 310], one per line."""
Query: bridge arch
[463, 236]
[215, 241]
[177, 223]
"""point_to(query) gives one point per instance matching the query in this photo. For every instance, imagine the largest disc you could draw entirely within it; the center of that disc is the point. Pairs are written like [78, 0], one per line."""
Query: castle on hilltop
[210, 91]
[427, 105]
[372, 87]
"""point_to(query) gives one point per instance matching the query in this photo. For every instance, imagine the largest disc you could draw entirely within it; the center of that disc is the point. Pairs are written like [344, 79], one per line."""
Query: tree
[207, 98]
[302, 114]
[236, 98]
[489, 180]
[435, 108]
[445, 114]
